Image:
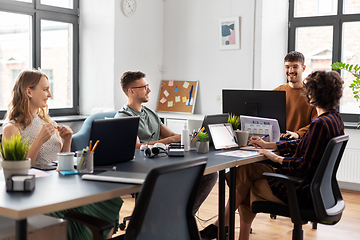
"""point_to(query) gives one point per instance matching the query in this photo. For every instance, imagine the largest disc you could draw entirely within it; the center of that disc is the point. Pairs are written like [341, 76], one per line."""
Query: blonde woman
[28, 115]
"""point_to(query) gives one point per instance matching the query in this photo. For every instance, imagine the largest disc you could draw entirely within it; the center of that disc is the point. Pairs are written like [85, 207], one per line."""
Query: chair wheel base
[122, 226]
[273, 216]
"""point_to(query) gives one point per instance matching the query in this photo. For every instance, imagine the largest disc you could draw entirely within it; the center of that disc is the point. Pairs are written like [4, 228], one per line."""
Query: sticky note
[177, 99]
[186, 85]
[184, 99]
[171, 83]
[170, 103]
[166, 93]
[163, 100]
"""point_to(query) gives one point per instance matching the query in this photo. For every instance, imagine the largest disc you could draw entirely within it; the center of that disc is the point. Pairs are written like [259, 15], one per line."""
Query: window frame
[43, 12]
[328, 20]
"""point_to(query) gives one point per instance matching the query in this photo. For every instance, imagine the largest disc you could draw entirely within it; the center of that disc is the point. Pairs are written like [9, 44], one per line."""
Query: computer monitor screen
[257, 103]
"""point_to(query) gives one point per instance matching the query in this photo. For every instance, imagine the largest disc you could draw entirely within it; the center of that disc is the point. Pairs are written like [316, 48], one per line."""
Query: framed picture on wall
[229, 33]
[177, 96]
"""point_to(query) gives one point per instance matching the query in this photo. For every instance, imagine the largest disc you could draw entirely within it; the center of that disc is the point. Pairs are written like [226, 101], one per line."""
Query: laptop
[223, 136]
[214, 119]
[117, 140]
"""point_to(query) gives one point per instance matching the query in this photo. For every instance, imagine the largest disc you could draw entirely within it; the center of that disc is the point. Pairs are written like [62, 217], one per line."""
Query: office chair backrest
[163, 209]
[81, 139]
[326, 195]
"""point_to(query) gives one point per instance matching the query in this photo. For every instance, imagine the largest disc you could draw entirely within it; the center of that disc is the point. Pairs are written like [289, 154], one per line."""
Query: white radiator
[349, 169]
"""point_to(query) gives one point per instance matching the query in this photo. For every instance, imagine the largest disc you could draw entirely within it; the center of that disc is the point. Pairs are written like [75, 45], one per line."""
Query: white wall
[191, 48]
[96, 76]
[180, 37]
[139, 46]
[111, 44]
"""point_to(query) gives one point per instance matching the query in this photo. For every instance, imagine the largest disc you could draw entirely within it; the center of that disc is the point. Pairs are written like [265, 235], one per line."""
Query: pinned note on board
[177, 96]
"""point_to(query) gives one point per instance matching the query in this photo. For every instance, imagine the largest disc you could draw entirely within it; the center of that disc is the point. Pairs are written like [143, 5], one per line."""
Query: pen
[263, 137]
[95, 145]
[197, 135]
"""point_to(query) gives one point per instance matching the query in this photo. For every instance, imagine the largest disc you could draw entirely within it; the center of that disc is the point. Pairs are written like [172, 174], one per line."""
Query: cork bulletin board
[177, 96]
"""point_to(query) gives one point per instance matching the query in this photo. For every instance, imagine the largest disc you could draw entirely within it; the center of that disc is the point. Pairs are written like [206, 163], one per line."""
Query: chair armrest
[283, 178]
[289, 182]
[96, 225]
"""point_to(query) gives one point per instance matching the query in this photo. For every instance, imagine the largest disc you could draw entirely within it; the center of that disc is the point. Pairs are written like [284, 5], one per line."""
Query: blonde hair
[19, 107]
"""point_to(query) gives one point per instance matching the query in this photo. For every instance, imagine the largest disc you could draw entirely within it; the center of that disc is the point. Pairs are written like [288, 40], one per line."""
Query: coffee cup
[65, 161]
[242, 138]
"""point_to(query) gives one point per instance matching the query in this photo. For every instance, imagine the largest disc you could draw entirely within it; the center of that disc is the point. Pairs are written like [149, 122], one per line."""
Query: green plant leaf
[15, 148]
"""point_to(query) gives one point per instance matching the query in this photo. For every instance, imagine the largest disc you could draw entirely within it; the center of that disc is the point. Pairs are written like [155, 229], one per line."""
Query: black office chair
[325, 192]
[163, 209]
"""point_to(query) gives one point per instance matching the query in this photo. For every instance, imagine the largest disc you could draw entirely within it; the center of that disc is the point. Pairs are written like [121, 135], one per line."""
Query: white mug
[65, 161]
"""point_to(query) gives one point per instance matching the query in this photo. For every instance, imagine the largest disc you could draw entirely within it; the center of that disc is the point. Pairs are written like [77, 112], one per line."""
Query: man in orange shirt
[299, 114]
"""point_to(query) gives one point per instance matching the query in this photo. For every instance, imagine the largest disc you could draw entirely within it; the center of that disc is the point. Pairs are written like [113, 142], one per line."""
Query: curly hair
[129, 77]
[19, 107]
[323, 89]
[295, 56]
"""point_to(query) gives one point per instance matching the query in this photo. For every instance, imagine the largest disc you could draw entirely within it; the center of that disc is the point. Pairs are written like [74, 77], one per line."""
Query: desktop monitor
[256, 103]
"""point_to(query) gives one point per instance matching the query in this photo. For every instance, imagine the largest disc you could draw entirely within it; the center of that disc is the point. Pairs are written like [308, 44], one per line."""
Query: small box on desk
[20, 183]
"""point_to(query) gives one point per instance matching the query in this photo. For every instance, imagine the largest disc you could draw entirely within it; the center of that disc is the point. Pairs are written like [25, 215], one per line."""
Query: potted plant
[234, 120]
[202, 142]
[13, 156]
[241, 136]
[355, 71]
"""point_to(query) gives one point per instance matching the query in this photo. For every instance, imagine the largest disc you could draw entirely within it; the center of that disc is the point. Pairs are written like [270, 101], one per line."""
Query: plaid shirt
[306, 155]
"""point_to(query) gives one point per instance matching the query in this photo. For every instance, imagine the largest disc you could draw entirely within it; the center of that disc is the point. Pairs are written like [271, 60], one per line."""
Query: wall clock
[128, 7]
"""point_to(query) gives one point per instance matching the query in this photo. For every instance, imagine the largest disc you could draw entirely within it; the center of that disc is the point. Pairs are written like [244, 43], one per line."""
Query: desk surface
[57, 192]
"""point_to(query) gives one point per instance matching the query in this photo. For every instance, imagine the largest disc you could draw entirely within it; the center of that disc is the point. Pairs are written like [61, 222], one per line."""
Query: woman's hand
[257, 142]
[65, 132]
[272, 156]
[46, 132]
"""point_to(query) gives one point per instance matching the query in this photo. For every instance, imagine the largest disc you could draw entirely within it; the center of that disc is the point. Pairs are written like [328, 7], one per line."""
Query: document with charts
[239, 153]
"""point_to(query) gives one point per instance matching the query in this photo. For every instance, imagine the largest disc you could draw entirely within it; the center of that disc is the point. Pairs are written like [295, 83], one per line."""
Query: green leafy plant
[355, 71]
[234, 120]
[14, 149]
[203, 137]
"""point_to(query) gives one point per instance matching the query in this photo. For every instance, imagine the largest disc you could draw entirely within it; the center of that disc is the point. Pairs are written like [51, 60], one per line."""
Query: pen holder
[86, 162]
[193, 142]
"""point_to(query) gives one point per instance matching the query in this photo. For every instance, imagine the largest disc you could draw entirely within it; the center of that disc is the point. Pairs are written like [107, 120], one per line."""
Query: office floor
[280, 228]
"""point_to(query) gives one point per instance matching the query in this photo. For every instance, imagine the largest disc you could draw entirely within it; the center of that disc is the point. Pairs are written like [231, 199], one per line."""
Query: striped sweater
[306, 155]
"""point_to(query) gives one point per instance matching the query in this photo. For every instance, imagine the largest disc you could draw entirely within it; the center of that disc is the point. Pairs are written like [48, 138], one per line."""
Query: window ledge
[58, 119]
[352, 125]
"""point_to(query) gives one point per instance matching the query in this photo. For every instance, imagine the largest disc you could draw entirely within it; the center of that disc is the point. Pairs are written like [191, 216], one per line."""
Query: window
[41, 34]
[327, 32]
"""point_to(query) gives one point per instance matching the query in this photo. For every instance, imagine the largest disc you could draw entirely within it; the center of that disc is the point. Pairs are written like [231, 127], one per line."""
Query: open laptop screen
[117, 139]
[214, 119]
[223, 136]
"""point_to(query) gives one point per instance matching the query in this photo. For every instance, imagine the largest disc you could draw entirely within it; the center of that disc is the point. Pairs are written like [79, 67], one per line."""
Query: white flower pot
[15, 167]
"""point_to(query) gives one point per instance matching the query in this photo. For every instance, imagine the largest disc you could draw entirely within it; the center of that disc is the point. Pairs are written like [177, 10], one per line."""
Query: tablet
[223, 136]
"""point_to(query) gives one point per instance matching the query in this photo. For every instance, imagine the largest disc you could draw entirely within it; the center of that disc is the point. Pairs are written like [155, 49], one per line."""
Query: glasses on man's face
[146, 87]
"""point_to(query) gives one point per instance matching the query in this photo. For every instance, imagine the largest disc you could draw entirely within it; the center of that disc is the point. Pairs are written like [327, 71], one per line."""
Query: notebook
[117, 139]
[223, 136]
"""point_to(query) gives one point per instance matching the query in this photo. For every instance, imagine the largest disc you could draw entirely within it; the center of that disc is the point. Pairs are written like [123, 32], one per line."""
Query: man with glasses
[151, 129]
